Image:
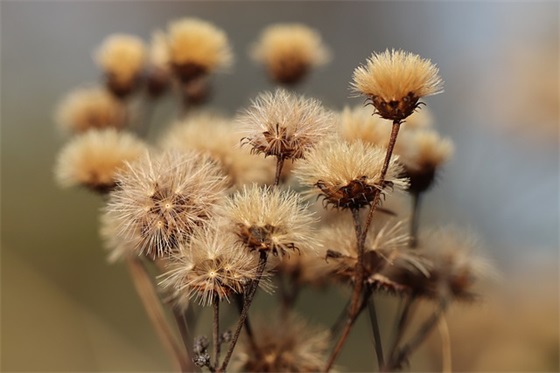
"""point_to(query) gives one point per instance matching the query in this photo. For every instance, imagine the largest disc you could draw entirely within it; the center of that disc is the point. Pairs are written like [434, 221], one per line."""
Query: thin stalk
[216, 330]
[402, 322]
[355, 307]
[446, 366]
[415, 220]
[279, 166]
[239, 300]
[340, 319]
[248, 299]
[376, 332]
[377, 196]
[150, 299]
[183, 327]
[425, 330]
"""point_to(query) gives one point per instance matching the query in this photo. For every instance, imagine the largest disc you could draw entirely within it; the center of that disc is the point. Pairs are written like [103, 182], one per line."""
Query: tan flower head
[357, 123]
[122, 58]
[216, 136]
[158, 74]
[92, 159]
[197, 47]
[289, 51]
[86, 108]
[212, 264]
[284, 125]
[395, 80]
[347, 175]
[291, 345]
[456, 268]
[388, 262]
[160, 199]
[269, 219]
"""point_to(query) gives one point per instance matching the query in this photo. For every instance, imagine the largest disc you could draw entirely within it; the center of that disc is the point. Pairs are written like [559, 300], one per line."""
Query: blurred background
[64, 308]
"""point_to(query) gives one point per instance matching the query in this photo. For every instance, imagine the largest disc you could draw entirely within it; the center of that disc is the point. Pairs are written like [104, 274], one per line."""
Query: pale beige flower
[395, 80]
[270, 219]
[215, 135]
[284, 125]
[158, 74]
[92, 159]
[197, 47]
[347, 175]
[212, 264]
[161, 198]
[291, 345]
[121, 57]
[87, 108]
[289, 51]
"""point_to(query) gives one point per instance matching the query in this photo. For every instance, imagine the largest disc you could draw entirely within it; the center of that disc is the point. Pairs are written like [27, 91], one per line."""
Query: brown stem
[377, 196]
[182, 325]
[355, 306]
[446, 365]
[150, 299]
[401, 324]
[248, 299]
[216, 331]
[239, 299]
[279, 166]
[376, 332]
[415, 220]
[425, 329]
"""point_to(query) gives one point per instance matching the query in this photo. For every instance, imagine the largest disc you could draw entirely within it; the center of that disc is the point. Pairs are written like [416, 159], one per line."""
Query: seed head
[92, 159]
[284, 125]
[160, 199]
[215, 136]
[211, 264]
[347, 175]
[289, 51]
[158, 74]
[269, 219]
[88, 108]
[395, 80]
[197, 47]
[121, 58]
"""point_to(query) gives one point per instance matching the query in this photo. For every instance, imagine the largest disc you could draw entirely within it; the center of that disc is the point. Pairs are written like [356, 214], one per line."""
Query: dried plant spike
[215, 135]
[423, 153]
[347, 175]
[212, 264]
[271, 220]
[87, 108]
[197, 48]
[290, 51]
[395, 80]
[121, 58]
[94, 158]
[284, 125]
[292, 345]
[161, 198]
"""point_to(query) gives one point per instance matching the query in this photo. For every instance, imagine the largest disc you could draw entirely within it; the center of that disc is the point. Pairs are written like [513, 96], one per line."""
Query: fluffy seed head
[160, 199]
[395, 80]
[92, 159]
[122, 58]
[269, 219]
[158, 74]
[216, 136]
[284, 125]
[86, 108]
[292, 345]
[422, 154]
[289, 51]
[347, 175]
[197, 47]
[212, 264]
[357, 123]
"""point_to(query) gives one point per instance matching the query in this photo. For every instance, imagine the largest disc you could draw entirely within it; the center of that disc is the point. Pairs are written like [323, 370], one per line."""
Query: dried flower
[86, 108]
[357, 123]
[269, 219]
[92, 159]
[394, 81]
[215, 136]
[347, 175]
[211, 264]
[423, 152]
[197, 47]
[290, 345]
[158, 74]
[160, 199]
[388, 262]
[122, 58]
[284, 125]
[289, 51]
